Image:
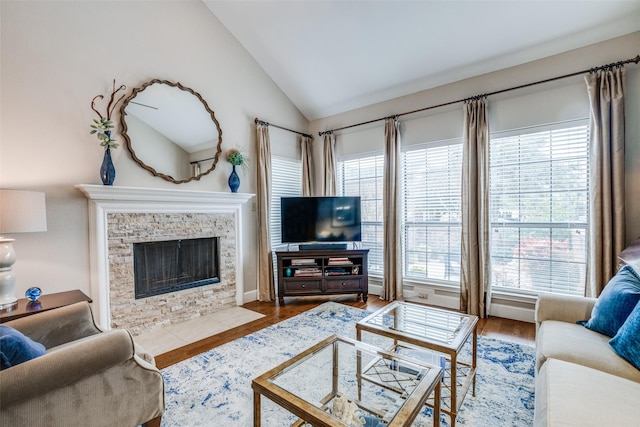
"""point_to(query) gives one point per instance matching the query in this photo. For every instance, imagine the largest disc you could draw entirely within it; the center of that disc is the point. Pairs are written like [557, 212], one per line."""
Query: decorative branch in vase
[236, 158]
[102, 128]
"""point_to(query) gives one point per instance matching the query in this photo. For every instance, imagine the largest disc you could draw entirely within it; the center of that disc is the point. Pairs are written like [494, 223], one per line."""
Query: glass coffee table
[433, 335]
[340, 380]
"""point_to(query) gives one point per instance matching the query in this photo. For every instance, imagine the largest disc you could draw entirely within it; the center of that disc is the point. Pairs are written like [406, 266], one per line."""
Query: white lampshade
[20, 212]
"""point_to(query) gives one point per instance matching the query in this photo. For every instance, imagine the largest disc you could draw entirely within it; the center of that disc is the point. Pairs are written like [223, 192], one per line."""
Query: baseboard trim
[446, 299]
[250, 296]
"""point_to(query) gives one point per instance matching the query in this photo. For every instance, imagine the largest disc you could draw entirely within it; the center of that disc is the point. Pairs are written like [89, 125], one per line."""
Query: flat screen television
[320, 219]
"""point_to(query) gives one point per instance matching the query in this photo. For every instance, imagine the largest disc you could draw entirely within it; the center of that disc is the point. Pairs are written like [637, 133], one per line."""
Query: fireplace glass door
[169, 266]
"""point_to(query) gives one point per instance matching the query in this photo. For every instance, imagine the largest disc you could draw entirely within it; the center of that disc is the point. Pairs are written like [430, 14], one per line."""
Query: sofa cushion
[16, 348]
[576, 344]
[616, 302]
[568, 394]
[627, 341]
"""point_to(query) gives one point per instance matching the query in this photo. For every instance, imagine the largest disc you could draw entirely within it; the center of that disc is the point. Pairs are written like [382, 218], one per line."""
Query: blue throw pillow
[16, 348]
[615, 303]
[627, 341]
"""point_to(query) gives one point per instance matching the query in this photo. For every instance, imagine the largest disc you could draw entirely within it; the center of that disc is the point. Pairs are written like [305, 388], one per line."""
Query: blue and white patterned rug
[214, 388]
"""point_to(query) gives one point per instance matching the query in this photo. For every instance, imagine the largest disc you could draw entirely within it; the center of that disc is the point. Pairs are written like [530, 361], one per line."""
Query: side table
[44, 303]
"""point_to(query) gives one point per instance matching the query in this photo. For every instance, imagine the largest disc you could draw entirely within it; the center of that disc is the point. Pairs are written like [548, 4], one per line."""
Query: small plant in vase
[236, 158]
[102, 129]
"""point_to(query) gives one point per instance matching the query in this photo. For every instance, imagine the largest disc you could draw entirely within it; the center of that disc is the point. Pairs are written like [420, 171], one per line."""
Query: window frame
[375, 245]
[275, 227]
[451, 144]
[577, 226]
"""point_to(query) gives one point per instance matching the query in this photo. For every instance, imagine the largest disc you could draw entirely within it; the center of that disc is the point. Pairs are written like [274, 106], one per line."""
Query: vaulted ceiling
[329, 57]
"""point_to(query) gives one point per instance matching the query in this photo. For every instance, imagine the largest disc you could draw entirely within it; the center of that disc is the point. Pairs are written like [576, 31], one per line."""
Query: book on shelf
[303, 261]
[334, 262]
[307, 272]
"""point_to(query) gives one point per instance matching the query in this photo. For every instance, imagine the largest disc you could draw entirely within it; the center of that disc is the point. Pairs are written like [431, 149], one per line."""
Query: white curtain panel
[392, 233]
[307, 172]
[266, 289]
[606, 169]
[329, 173]
[475, 295]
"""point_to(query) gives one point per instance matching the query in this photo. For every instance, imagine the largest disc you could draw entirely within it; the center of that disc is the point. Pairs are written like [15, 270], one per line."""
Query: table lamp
[20, 212]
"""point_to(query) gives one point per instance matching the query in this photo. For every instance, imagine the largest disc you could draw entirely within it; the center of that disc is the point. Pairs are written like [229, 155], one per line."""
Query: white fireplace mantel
[104, 200]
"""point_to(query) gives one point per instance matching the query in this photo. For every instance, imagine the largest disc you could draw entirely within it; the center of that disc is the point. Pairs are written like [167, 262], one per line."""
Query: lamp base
[5, 305]
[7, 278]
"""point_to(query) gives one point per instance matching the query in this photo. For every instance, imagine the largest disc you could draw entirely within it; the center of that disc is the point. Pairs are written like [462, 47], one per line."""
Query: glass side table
[326, 383]
[434, 335]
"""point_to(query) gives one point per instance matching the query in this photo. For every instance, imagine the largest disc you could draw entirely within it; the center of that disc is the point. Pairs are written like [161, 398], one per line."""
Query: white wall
[56, 56]
[548, 103]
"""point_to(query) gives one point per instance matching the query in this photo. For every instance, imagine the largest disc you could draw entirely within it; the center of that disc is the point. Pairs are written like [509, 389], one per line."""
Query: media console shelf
[322, 272]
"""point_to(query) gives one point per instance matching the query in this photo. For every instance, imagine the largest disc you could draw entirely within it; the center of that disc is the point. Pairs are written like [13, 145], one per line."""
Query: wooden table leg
[256, 409]
[474, 358]
[454, 388]
[359, 364]
[436, 404]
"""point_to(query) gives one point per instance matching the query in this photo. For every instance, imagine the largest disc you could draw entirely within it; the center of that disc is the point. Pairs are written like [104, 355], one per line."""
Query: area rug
[214, 388]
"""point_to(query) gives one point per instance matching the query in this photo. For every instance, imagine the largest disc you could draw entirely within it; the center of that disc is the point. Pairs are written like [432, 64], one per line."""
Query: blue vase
[234, 180]
[107, 170]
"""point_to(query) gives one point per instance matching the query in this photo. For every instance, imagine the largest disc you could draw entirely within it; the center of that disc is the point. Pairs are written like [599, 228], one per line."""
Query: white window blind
[539, 186]
[363, 177]
[286, 180]
[431, 183]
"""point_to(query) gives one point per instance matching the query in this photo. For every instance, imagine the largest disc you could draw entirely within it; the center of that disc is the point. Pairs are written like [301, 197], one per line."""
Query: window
[431, 184]
[286, 180]
[363, 177]
[539, 184]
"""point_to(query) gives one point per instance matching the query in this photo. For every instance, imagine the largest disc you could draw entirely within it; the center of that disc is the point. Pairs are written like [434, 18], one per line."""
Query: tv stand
[322, 272]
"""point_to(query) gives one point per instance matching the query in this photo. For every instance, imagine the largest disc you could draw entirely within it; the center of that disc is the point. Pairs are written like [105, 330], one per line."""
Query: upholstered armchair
[86, 377]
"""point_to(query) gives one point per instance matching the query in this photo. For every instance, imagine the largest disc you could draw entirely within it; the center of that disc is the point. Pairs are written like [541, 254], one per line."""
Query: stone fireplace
[122, 219]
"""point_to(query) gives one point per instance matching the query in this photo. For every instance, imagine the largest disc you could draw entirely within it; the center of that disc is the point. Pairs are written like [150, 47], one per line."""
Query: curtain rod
[258, 121]
[590, 70]
[193, 162]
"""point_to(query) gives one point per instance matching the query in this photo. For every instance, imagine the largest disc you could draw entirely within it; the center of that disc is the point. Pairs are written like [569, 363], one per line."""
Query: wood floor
[495, 327]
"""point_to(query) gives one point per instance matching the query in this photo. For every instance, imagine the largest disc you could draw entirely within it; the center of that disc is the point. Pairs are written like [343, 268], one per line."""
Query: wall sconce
[20, 212]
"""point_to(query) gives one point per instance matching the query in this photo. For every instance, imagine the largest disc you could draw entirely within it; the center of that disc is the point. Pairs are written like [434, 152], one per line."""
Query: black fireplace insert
[173, 265]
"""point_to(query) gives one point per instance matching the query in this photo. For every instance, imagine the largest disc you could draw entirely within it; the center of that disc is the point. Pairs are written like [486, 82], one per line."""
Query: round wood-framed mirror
[170, 131]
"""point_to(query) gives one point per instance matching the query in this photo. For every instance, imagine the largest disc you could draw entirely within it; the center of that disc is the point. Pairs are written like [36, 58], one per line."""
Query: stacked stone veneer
[146, 314]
